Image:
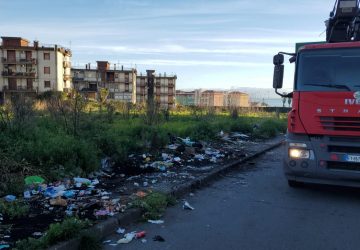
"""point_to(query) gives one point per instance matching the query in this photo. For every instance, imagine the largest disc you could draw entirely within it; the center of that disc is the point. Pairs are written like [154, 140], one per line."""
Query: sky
[208, 44]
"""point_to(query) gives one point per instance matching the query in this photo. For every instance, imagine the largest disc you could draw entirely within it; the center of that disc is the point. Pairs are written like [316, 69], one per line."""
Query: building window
[29, 84]
[47, 84]
[46, 70]
[46, 56]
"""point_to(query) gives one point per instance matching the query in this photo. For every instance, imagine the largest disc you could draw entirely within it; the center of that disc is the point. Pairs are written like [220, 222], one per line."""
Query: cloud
[178, 49]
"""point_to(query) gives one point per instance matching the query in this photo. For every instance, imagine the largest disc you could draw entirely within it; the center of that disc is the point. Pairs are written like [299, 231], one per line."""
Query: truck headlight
[299, 153]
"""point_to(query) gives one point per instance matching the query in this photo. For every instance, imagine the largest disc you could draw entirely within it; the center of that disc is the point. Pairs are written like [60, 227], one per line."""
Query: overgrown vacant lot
[61, 136]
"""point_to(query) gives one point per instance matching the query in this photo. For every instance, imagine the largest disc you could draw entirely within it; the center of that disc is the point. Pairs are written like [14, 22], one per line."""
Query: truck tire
[295, 184]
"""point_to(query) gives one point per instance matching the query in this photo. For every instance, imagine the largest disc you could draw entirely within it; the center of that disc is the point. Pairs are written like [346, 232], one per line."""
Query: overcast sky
[207, 43]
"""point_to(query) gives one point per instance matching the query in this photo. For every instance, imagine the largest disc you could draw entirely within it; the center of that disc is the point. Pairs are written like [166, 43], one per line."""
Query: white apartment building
[31, 68]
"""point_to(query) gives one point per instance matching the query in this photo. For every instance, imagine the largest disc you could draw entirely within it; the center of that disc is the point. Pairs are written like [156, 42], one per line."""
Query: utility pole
[150, 95]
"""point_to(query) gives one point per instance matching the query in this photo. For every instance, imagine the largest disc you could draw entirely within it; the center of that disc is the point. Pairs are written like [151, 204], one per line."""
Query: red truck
[323, 137]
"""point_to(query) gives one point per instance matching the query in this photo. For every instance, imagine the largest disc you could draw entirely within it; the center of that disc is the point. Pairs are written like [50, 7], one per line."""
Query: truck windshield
[328, 70]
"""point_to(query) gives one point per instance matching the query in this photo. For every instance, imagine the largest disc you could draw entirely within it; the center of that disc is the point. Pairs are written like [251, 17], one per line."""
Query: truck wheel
[295, 184]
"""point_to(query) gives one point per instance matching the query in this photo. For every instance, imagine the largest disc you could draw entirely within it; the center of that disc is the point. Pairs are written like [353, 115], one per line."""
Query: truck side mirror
[278, 59]
[278, 76]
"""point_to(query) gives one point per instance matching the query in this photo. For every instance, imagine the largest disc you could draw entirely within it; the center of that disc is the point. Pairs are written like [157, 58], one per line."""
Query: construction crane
[344, 22]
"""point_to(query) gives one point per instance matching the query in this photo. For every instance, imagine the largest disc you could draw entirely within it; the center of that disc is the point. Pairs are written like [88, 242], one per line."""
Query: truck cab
[323, 138]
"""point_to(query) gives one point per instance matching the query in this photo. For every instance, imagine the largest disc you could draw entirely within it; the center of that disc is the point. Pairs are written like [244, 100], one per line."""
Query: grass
[154, 205]
[15, 209]
[68, 229]
[48, 145]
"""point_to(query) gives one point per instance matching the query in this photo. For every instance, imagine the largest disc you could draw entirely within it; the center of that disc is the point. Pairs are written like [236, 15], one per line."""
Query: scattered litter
[58, 202]
[82, 181]
[10, 198]
[27, 195]
[158, 238]
[187, 206]
[4, 246]
[140, 194]
[140, 235]
[143, 240]
[156, 221]
[37, 234]
[120, 230]
[106, 241]
[34, 180]
[127, 238]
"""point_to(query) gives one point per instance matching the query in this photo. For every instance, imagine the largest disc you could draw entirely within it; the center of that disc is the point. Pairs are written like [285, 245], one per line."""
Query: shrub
[154, 205]
[68, 229]
[15, 209]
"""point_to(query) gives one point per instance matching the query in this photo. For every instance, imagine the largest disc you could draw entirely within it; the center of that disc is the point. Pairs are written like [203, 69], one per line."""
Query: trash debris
[187, 206]
[69, 194]
[10, 198]
[101, 213]
[4, 246]
[120, 230]
[27, 195]
[141, 194]
[34, 180]
[143, 240]
[158, 238]
[37, 234]
[58, 202]
[82, 181]
[106, 241]
[127, 238]
[140, 235]
[156, 221]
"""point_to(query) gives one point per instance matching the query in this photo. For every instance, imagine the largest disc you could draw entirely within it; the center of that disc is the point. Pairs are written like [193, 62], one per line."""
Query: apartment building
[212, 98]
[32, 68]
[236, 99]
[120, 82]
[164, 89]
[185, 98]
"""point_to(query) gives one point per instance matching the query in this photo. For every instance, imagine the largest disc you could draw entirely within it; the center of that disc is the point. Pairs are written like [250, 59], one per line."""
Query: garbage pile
[109, 190]
[49, 203]
[180, 154]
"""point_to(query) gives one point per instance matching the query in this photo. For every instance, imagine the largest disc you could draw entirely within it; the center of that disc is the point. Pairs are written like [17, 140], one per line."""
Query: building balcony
[76, 78]
[5, 60]
[67, 77]
[67, 64]
[19, 89]
[10, 74]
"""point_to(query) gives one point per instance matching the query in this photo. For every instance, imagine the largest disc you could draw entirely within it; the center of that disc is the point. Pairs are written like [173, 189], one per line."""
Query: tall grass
[46, 146]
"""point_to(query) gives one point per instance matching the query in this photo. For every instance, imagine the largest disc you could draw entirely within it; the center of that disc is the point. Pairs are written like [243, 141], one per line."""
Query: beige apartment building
[32, 68]
[213, 98]
[164, 89]
[236, 99]
[120, 82]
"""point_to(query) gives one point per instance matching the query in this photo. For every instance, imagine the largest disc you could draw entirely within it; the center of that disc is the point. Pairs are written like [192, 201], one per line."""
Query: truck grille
[343, 165]
[340, 123]
[343, 149]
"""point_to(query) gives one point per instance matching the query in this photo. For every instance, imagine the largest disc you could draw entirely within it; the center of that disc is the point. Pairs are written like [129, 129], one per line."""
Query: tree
[103, 96]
